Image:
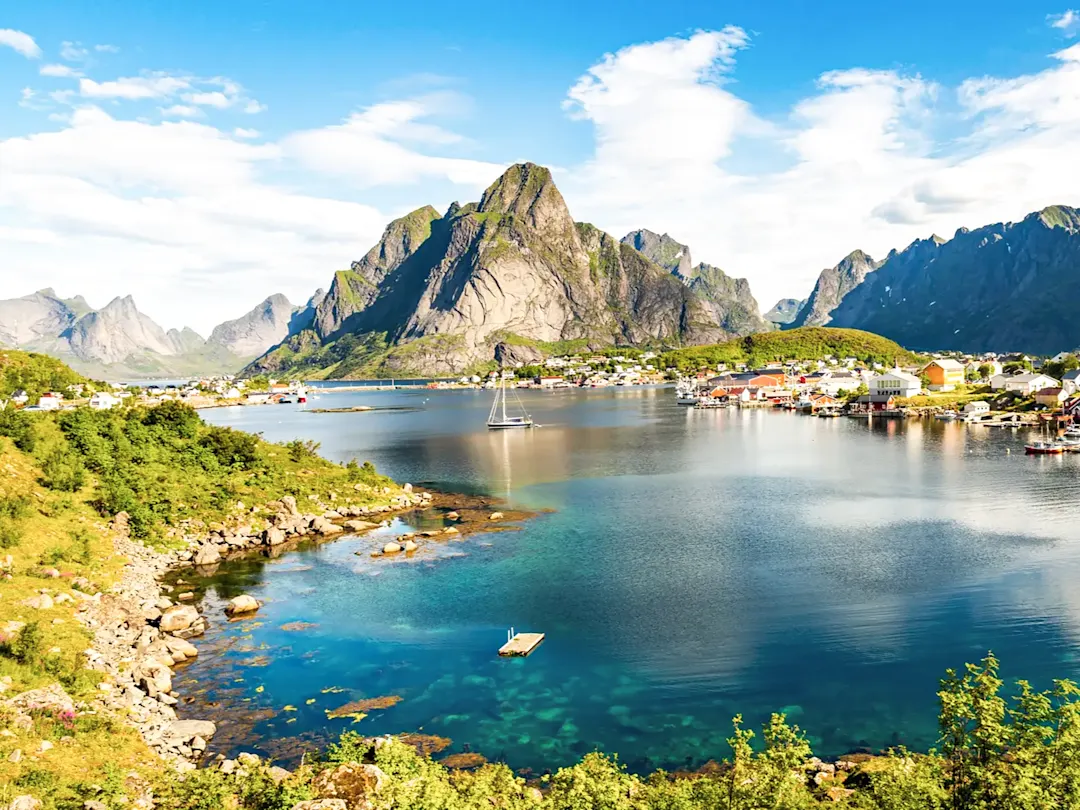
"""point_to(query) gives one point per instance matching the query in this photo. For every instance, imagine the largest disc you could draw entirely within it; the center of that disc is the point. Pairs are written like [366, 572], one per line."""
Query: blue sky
[204, 155]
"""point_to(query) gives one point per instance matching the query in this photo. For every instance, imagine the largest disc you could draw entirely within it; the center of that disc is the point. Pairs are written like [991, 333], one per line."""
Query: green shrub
[11, 534]
[26, 646]
[63, 470]
[300, 451]
[203, 789]
[232, 448]
[19, 427]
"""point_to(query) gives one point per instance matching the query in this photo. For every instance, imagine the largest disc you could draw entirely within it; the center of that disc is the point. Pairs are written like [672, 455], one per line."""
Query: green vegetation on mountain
[806, 343]
[35, 374]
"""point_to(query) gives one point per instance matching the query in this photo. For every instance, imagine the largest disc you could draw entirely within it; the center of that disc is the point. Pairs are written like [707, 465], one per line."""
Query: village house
[257, 398]
[944, 374]
[1051, 397]
[873, 403]
[50, 401]
[103, 401]
[1070, 381]
[1025, 384]
[550, 382]
[20, 398]
[895, 383]
[977, 408]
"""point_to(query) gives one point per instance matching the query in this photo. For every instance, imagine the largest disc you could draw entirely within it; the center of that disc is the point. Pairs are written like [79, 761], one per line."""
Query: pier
[520, 644]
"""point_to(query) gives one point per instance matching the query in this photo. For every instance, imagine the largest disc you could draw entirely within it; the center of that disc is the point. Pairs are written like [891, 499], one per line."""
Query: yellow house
[945, 374]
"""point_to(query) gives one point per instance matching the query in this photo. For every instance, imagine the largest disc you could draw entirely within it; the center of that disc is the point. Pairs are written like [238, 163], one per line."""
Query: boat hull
[508, 425]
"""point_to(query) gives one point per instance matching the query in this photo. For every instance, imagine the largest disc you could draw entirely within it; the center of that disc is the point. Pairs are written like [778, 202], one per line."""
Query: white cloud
[194, 203]
[73, 51]
[241, 132]
[212, 99]
[253, 107]
[21, 42]
[60, 72]
[873, 159]
[107, 49]
[1068, 21]
[369, 147]
[132, 88]
[181, 111]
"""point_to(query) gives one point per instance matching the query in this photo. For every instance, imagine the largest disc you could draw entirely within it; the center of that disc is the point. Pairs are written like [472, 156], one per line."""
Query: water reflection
[699, 564]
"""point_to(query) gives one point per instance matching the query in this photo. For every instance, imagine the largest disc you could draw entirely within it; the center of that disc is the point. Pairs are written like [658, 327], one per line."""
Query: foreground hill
[1004, 287]
[35, 374]
[805, 343]
[437, 294]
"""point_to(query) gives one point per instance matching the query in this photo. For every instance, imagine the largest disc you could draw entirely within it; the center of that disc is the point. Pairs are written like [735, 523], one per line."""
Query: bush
[15, 507]
[19, 427]
[174, 417]
[300, 451]
[232, 448]
[63, 470]
[10, 533]
[203, 789]
[26, 647]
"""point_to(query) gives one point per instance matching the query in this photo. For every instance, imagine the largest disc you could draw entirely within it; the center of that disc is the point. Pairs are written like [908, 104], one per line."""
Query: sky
[201, 156]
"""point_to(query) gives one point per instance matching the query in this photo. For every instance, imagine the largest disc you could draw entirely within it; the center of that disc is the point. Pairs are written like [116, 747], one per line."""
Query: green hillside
[807, 343]
[34, 373]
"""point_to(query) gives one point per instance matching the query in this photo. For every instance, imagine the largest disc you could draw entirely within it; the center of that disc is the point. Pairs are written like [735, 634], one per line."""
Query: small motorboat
[1040, 448]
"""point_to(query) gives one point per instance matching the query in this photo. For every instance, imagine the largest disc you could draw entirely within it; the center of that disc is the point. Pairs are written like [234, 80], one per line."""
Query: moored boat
[1041, 448]
[498, 418]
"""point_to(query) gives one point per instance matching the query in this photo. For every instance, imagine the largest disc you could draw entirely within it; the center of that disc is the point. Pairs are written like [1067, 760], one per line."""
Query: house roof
[903, 375]
[1029, 377]
[1049, 392]
[947, 363]
[1073, 374]
[874, 398]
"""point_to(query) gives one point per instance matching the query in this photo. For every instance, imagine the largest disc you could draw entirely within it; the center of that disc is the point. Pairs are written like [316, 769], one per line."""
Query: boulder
[207, 554]
[452, 516]
[410, 545]
[289, 503]
[152, 675]
[451, 530]
[359, 525]
[274, 536]
[495, 516]
[178, 617]
[184, 731]
[320, 804]
[323, 526]
[24, 802]
[352, 782]
[391, 548]
[242, 604]
[51, 697]
[180, 649]
[40, 602]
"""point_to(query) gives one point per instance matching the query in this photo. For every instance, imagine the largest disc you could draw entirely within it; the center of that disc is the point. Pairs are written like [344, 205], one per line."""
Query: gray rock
[178, 617]
[184, 731]
[207, 554]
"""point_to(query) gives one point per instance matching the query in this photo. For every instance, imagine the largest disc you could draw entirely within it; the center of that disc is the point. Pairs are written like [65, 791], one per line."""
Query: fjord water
[695, 565]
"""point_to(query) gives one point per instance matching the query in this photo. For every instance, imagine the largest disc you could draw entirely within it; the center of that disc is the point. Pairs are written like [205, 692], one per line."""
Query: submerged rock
[242, 604]
[391, 548]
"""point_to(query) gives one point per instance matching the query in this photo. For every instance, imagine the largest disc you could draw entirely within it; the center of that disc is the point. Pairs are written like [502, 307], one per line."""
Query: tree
[986, 371]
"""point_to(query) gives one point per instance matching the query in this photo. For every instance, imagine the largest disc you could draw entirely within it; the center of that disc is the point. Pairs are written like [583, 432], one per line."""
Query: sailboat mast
[503, 380]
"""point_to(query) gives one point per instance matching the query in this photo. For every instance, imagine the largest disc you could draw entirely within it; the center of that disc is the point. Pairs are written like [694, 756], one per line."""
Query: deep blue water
[697, 564]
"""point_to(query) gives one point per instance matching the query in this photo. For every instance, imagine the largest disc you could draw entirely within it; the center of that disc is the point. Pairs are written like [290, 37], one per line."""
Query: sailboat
[498, 418]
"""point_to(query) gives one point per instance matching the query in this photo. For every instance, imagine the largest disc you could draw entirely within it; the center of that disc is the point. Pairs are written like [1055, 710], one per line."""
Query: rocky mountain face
[120, 341]
[784, 311]
[730, 301]
[252, 333]
[439, 294]
[832, 285]
[1009, 286]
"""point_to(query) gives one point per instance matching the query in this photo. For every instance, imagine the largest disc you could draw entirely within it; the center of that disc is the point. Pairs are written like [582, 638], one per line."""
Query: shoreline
[144, 625]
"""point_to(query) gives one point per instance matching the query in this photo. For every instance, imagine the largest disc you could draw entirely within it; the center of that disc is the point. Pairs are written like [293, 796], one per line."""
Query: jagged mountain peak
[528, 193]
[832, 285]
[1058, 216]
[662, 249]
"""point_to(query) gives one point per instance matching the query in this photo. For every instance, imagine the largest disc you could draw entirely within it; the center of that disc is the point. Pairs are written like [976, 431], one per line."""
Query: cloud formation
[873, 159]
[20, 42]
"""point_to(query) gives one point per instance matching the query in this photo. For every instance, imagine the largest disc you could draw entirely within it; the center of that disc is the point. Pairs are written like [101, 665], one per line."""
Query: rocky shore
[142, 629]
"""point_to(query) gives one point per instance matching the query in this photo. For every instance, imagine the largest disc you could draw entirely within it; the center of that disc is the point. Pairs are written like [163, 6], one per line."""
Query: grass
[956, 398]
[36, 374]
[806, 343]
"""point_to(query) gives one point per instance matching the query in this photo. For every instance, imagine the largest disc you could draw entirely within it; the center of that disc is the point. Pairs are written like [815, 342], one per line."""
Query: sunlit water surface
[696, 564]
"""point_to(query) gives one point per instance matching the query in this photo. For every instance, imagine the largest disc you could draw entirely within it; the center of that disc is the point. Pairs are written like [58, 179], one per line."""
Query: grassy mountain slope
[806, 343]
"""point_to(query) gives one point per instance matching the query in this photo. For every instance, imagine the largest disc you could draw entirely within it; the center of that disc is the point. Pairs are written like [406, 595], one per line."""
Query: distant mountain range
[440, 294]
[513, 277]
[1003, 287]
[120, 341]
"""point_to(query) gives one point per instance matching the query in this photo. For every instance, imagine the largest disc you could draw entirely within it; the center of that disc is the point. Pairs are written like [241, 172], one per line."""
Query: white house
[1026, 384]
[833, 383]
[232, 393]
[102, 401]
[50, 401]
[976, 408]
[256, 398]
[20, 397]
[1060, 357]
[896, 383]
[1070, 381]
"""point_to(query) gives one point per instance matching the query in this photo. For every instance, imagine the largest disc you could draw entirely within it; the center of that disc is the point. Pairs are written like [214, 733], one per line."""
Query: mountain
[254, 332]
[732, 304]
[1004, 287]
[119, 341]
[439, 293]
[832, 285]
[784, 311]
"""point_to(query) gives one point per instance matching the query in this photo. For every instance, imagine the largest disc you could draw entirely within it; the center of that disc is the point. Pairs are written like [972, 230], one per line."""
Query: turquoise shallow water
[696, 565]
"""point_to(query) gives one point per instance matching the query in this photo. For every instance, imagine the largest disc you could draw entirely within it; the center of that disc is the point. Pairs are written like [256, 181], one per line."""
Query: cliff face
[1003, 287]
[40, 315]
[256, 331]
[832, 285]
[729, 300]
[438, 293]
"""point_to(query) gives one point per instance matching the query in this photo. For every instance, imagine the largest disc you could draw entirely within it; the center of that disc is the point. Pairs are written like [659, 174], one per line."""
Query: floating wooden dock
[521, 644]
